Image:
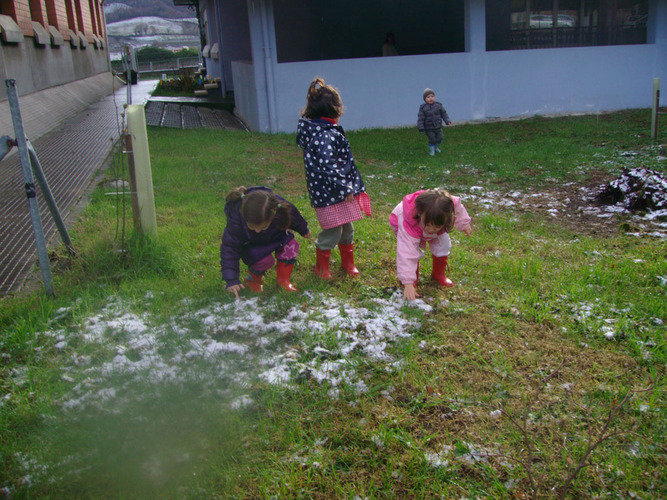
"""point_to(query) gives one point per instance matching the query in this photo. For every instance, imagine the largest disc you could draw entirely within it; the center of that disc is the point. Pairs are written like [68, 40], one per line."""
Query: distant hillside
[141, 26]
[121, 10]
[171, 34]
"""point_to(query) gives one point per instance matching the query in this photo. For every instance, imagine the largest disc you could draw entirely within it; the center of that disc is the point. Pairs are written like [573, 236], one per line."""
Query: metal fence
[169, 65]
[162, 65]
[571, 37]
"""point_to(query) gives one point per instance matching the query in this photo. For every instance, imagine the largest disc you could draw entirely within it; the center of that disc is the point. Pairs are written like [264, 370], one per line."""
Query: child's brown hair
[322, 101]
[437, 207]
[260, 206]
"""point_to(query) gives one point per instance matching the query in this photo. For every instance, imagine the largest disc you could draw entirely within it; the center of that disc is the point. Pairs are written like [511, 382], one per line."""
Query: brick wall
[38, 12]
[97, 16]
[84, 21]
[57, 14]
[85, 16]
[19, 10]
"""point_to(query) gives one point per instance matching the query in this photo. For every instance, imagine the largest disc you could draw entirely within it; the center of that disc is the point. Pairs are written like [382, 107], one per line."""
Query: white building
[483, 58]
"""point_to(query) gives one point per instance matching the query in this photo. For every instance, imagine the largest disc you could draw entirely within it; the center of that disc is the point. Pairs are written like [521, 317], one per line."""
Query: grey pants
[435, 136]
[329, 238]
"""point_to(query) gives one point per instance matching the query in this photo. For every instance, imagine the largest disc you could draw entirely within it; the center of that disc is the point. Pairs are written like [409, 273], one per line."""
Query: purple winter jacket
[241, 243]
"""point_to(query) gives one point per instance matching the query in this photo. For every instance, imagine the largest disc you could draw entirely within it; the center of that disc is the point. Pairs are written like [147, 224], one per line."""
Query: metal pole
[129, 85]
[24, 156]
[655, 108]
[50, 200]
[129, 60]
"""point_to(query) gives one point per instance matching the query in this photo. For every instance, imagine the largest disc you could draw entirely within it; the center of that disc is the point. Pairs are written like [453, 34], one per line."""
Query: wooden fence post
[141, 178]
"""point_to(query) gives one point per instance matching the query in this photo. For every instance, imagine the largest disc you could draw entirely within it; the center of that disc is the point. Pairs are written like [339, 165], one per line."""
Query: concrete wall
[38, 67]
[227, 25]
[497, 84]
[43, 111]
[57, 74]
[245, 95]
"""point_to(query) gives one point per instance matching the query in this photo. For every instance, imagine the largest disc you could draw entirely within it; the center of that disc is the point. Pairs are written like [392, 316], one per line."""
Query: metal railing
[162, 65]
[572, 37]
[169, 65]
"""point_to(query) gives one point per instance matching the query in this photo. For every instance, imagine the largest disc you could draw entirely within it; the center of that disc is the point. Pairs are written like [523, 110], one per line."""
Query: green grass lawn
[541, 374]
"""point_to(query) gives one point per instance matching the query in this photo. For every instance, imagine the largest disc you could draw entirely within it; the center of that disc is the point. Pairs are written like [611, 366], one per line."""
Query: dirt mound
[637, 189]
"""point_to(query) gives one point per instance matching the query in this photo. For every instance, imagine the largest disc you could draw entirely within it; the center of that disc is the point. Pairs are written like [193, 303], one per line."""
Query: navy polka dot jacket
[331, 174]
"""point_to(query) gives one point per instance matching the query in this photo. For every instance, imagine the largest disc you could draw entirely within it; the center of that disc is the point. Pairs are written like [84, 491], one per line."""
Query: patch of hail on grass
[130, 355]
[463, 451]
[652, 222]
[612, 327]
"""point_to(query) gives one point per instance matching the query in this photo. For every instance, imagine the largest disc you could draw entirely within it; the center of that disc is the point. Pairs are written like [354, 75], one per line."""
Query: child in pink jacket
[426, 216]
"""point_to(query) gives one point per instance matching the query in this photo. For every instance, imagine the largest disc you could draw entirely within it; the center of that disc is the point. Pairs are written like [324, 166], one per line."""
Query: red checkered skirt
[344, 212]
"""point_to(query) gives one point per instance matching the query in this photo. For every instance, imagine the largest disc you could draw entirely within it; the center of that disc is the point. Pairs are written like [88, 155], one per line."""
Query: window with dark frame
[541, 24]
[347, 29]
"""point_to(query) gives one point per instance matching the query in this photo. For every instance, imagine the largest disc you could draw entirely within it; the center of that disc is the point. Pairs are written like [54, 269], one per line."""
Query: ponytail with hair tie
[322, 101]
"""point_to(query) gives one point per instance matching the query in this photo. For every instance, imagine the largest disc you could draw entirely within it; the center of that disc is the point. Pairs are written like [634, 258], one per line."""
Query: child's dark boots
[347, 259]
[438, 274]
[322, 263]
[284, 272]
[254, 282]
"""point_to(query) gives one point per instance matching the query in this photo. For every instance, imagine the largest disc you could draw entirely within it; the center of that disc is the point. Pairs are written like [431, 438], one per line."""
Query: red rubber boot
[438, 274]
[347, 259]
[322, 263]
[284, 271]
[254, 282]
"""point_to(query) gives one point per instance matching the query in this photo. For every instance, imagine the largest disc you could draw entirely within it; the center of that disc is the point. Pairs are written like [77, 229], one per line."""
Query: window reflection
[531, 24]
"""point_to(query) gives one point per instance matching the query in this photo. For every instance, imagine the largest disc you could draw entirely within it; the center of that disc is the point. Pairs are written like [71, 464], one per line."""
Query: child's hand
[235, 289]
[410, 292]
[349, 197]
[449, 124]
[308, 235]
[468, 230]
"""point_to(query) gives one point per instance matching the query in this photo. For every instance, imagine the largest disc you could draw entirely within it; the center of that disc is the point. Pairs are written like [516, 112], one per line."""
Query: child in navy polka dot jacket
[336, 190]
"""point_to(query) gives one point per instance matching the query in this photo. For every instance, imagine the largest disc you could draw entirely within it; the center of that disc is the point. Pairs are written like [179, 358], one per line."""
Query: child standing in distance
[336, 190]
[426, 217]
[429, 119]
[259, 223]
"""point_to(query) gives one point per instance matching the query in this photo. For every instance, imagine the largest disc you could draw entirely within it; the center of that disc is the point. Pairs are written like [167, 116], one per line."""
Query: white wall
[245, 95]
[383, 92]
[472, 85]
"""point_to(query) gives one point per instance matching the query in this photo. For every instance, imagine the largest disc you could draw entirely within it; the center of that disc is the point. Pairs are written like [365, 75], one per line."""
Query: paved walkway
[173, 112]
[71, 155]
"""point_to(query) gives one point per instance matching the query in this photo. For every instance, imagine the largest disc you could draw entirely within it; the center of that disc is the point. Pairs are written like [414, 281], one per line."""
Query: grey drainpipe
[268, 65]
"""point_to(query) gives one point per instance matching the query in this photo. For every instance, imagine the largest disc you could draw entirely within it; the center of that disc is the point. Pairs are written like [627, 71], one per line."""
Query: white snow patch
[232, 344]
[651, 222]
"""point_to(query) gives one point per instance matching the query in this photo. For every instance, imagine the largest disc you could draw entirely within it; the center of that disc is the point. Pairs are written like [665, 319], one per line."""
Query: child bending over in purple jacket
[259, 223]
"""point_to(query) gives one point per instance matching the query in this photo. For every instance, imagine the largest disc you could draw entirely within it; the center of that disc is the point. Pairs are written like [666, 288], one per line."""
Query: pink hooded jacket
[410, 235]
